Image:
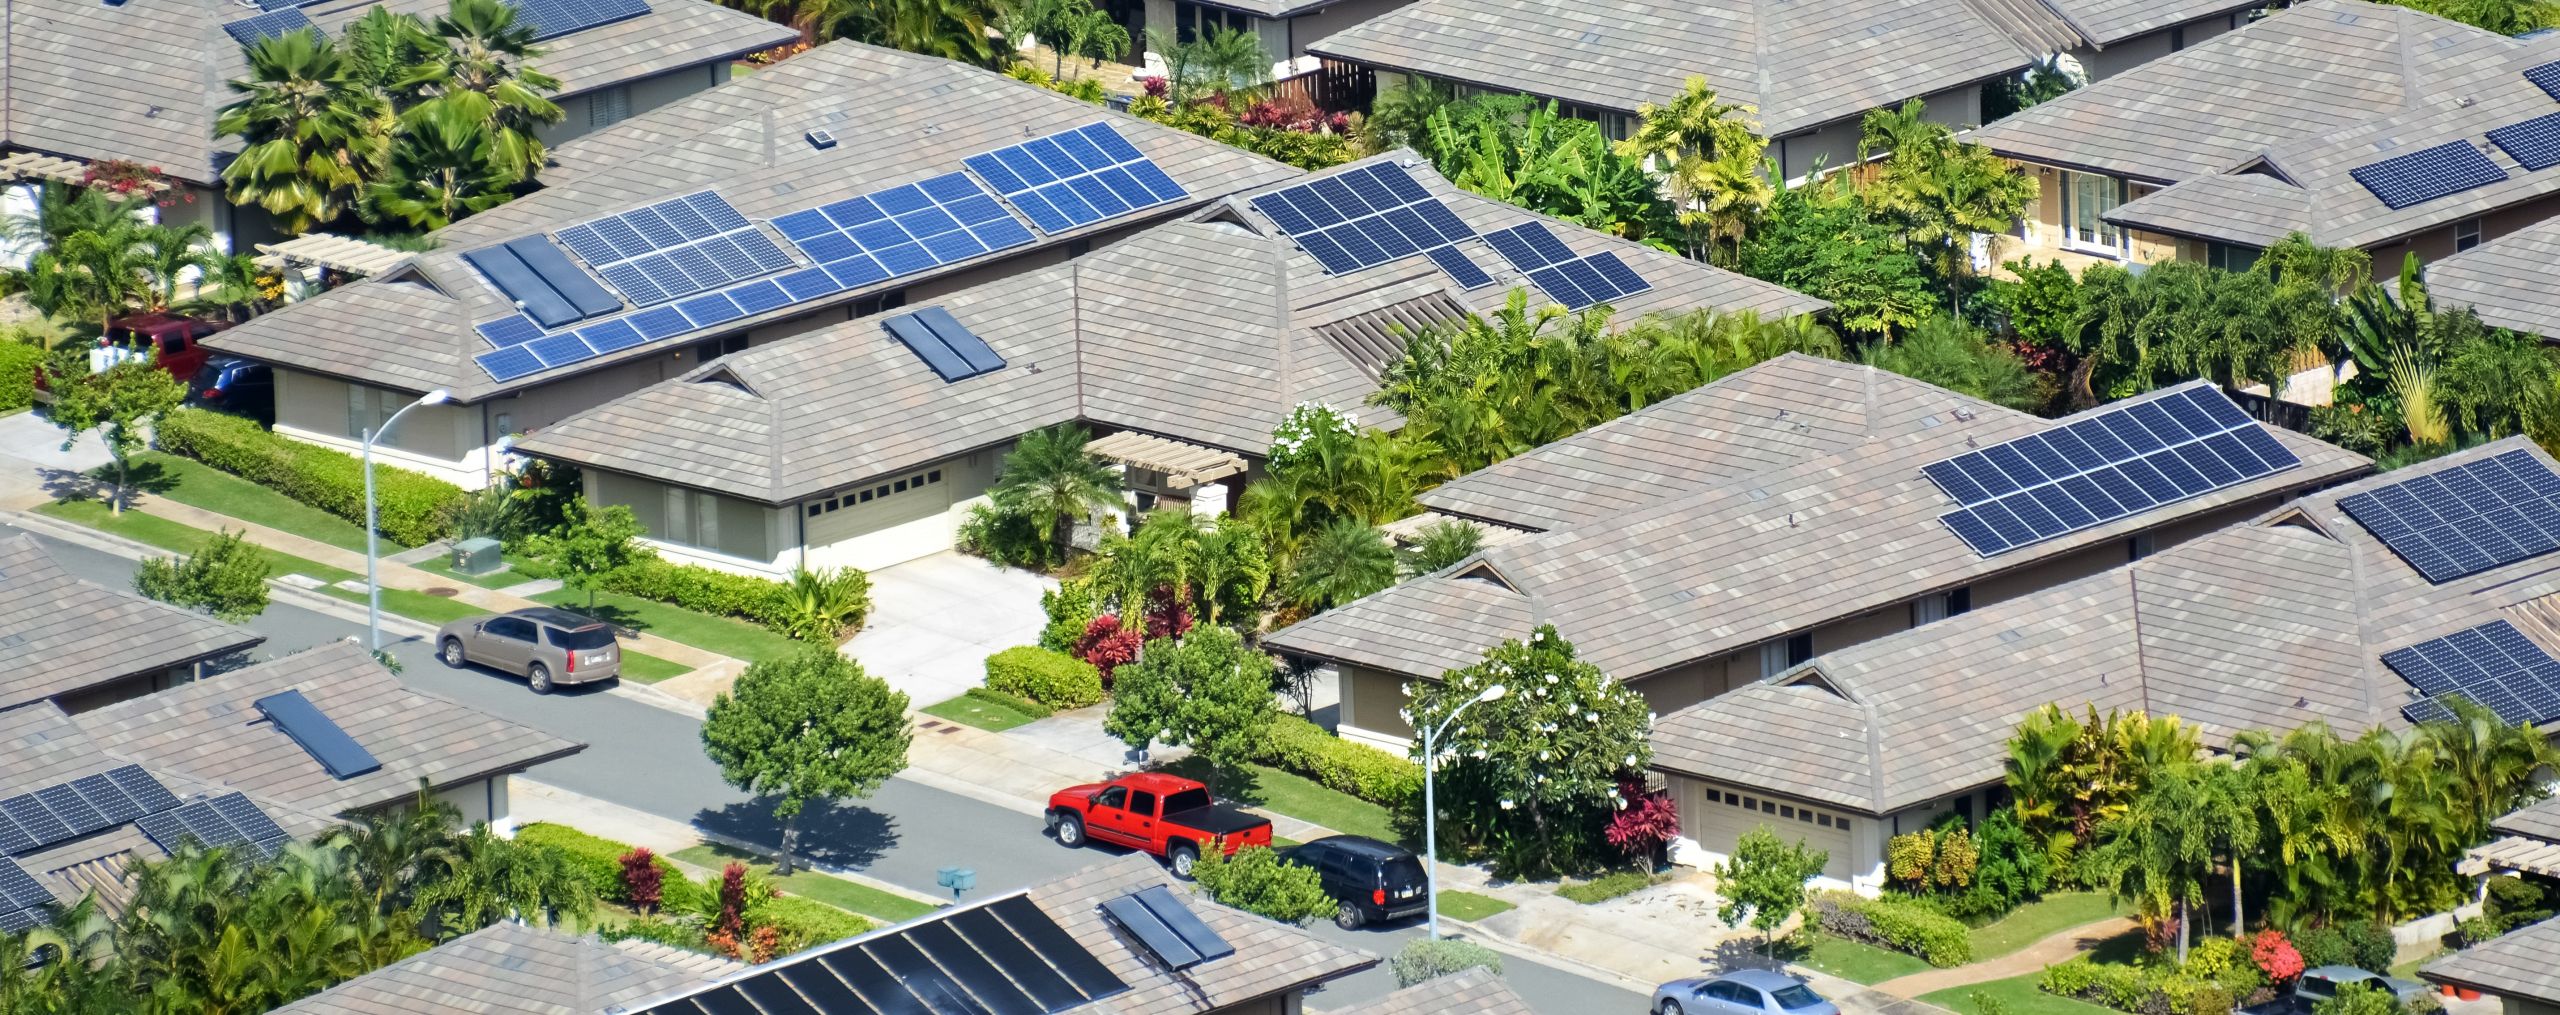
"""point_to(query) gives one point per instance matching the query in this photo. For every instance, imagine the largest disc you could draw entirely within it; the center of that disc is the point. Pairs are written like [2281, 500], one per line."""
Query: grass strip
[198, 485]
[850, 896]
[2017, 995]
[649, 669]
[1855, 961]
[1469, 906]
[2039, 920]
[729, 637]
[979, 712]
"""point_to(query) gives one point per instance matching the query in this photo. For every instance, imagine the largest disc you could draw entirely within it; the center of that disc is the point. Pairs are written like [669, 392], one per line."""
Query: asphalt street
[650, 759]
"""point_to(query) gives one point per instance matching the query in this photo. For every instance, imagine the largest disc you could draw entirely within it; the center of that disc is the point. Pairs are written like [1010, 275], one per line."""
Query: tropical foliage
[1049, 481]
[1206, 690]
[1710, 158]
[1513, 149]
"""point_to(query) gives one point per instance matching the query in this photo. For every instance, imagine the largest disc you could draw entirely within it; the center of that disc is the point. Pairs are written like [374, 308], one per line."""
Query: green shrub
[804, 922]
[18, 364]
[659, 930]
[1004, 538]
[1070, 608]
[2357, 999]
[1033, 709]
[415, 509]
[1987, 1003]
[1607, 886]
[1254, 880]
[1899, 924]
[2114, 986]
[226, 577]
[1055, 679]
[1425, 960]
[1294, 745]
[764, 602]
[598, 862]
[2366, 946]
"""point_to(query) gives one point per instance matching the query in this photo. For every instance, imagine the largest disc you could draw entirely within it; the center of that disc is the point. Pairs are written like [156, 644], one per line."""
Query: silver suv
[546, 647]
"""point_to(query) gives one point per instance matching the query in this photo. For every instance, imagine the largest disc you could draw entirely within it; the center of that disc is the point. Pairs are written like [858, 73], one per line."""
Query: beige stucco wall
[2437, 244]
[481, 800]
[1298, 32]
[2042, 239]
[872, 536]
[1371, 700]
[443, 441]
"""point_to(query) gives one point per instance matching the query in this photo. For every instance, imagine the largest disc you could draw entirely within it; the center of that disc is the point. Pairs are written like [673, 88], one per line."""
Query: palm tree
[1711, 160]
[1234, 569]
[1342, 562]
[393, 852]
[2157, 855]
[91, 275]
[494, 878]
[1442, 544]
[62, 209]
[1049, 475]
[168, 251]
[489, 52]
[1943, 191]
[443, 165]
[1068, 28]
[950, 29]
[1952, 353]
[1221, 60]
[310, 132]
[2231, 817]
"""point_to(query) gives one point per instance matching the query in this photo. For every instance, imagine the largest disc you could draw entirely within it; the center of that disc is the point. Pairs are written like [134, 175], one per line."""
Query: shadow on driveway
[849, 836]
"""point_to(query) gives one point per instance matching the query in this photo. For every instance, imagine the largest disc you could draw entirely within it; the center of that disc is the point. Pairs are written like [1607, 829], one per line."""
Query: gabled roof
[143, 79]
[1737, 562]
[898, 118]
[1203, 331]
[63, 635]
[1477, 991]
[2267, 626]
[2523, 965]
[511, 968]
[2214, 106]
[2512, 281]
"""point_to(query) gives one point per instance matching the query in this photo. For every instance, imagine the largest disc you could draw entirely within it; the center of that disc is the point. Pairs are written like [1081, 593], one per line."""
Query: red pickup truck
[1167, 815]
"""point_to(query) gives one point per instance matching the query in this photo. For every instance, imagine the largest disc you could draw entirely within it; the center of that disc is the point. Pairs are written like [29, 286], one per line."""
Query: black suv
[1374, 880]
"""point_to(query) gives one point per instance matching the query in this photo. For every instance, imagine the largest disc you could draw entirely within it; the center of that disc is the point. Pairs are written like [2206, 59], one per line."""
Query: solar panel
[1045, 985]
[516, 329]
[1577, 281]
[1075, 177]
[20, 921]
[253, 824]
[317, 734]
[2534, 143]
[1529, 246]
[249, 31]
[971, 968]
[675, 248]
[1152, 933]
[111, 803]
[1185, 924]
[1050, 941]
[164, 829]
[2466, 519]
[14, 839]
[873, 237]
[1460, 267]
[508, 364]
[2427, 174]
[2546, 77]
[2107, 464]
[551, 19]
[551, 265]
[820, 986]
[865, 974]
[1366, 217]
[2493, 665]
[200, 820]
[65, 803]
[533, 295]
[31, 816]
[19, 890]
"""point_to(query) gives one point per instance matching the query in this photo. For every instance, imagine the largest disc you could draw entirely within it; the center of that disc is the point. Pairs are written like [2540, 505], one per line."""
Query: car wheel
[538, 678]
[1184, 858]
[1071, 831]
[451, 653]
[1349, 917]
[1670, 1007]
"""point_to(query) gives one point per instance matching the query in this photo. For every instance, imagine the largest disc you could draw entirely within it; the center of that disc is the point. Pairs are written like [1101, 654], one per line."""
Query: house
[2304, 614]
[255, 758]
[831, 128]
[2522, 967]
[523, 970]
[1117, 937]
[1808, 72]
[1185, 345]
[2511, 282]
[1285, 28]
[2528, 842]
[1477, 991]
[2254, 126]
[1803, 507]
[154, 102]
[82, 645]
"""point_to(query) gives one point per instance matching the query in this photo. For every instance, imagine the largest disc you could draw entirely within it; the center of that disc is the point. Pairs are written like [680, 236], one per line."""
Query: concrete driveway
[34, 468]
[935, 620]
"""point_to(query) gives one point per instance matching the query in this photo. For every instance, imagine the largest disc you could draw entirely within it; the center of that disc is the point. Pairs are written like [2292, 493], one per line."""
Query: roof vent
[1167, 928]
[1591, 35]
[2346, 18]
[820, 139]
[1876, 29]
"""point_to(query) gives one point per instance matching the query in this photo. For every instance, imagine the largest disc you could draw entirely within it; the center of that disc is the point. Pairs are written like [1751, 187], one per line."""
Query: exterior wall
[2044, 237]
[2102, 64]
[1371, 701]
[595, 109]
[444, 441]
[2056, 571]
[1300, 31]
[741, 536]
[1277, 1004]
[2437, 244]
[124, 689]
[1714, 816]
[482, 800]
[2527, 1006]
[1835, 144]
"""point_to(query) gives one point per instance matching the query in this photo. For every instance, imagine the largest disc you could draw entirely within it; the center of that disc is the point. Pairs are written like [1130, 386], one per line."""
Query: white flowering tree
[1531, 778]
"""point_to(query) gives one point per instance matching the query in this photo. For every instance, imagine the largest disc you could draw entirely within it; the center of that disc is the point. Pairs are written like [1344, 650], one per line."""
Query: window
[1187, 800]
[2086, 197]
[2466, 234]
[1822, 819]
[516, 628]
[609, 106]
[1116, 796]
[1193, 21]
[1142, 802]
[1940, 606]
[2230, 257]
[1787, 812]
[582, 639]
[706, 351]
[1799, 649]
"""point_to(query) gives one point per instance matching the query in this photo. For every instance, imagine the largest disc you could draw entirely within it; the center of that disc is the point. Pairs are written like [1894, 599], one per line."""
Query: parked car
[1741, 992]
[1167, 815]
[237, 386]
[2321, 983]
[1375, 881]
[171, 337]
[547, 647]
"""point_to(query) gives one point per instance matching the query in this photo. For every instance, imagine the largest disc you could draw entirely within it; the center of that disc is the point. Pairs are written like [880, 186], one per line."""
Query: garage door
[1717, 818]
[878, 506]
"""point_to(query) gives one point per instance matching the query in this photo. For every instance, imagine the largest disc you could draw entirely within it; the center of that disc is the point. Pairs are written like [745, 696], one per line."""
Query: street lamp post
[1430, 808]
[372, 542]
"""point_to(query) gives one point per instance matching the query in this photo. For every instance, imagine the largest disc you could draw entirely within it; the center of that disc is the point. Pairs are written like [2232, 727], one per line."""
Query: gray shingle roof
[2251, 209]
[898, 118]
[2264, 626]
[2298, 73]
[63, 635]
[515, 969]
[1176, 331]
[2539, 820]
[2524, 964]
[2512, 281]
[143, 79]
[1476, 991]
[1731, 564]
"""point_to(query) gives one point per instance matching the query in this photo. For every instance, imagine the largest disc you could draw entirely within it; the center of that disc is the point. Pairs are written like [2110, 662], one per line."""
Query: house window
[2086, 199]
[1193, 21]
[705, 352]
[609, 106]
[1940, 606]
[2231, 257]
[2466, 234]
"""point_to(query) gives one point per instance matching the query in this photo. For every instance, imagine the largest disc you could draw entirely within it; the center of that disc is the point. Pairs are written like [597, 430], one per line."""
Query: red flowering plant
[641, 878]
[1108, 646]
[123, 178]
[1644, 823]
[2275, 956]
[1157, 87]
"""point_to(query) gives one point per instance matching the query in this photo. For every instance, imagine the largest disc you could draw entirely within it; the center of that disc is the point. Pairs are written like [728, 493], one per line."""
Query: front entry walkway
[935, 620]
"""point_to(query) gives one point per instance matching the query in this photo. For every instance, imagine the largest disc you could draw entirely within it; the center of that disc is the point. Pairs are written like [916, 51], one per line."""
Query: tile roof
[515, 969]
[2512, 281]
[2263, 626]
[2523, 965]
[156, 101]
[897, 119]
[64, 635]
[2539, 820]
[2315, 68]
[1176, 331]
[208, 731]
[1476, 991]
[1733, 563]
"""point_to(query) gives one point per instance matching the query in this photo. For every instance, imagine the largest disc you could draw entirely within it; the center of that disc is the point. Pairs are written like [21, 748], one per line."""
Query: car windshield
[584, 638]
[1795, 996]
[1402, 871]
[1187, 800]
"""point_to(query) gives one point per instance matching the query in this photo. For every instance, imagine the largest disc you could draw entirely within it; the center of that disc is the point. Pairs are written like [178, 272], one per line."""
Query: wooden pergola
[327, 250]
[1184, 465]
[2513, 853]
[22, 167]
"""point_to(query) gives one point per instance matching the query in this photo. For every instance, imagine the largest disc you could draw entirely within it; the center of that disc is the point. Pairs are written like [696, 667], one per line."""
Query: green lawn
[649, 669]
[196, 484]
[175, 537]
[1301, 798]
[1854, 961]
[834, 891]
[1469, 906]
[441, 565]
[414, 605]
[734, 638]
[2014, 996]
[978, 712]
[2039, 920]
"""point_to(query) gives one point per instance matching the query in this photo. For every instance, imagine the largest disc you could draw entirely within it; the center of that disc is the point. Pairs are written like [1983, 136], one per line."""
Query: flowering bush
[1293, 112]
[1645, 822]
[1108, 646]
[2275, 956]
[1157, 87]
[1303, 436]
[122, 178]
[1167, 615]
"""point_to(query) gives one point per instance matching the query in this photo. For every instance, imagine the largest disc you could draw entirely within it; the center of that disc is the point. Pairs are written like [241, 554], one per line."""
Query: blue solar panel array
[2427, 174]
[2106, 465]
[2492, 665]
[248, 31]
[65, 811]
[22, 900]
[675, 248]
[1369, 216]
[317, 734]
[220, 822]
[2534, 143]
[943, 343]
[2473, 517]
[551, 19]
[1167, 928]
[903, 230]
[1575, 281]
[542, 282]
[2546, 77]
[1075, 177]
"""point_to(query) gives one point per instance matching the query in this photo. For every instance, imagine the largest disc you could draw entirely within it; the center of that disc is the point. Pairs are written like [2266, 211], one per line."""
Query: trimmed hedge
[761, 601]
[1292, 744]
[1911, 929]
[415, 509]
[598, 862]
[1033, 709]
[19, 362]
[1054, 679]
[804, 922]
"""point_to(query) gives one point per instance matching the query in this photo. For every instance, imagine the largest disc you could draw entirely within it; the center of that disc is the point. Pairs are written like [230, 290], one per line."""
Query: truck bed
[1217, 819]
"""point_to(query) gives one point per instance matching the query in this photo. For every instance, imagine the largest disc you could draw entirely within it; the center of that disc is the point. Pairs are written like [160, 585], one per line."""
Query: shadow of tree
[1748, 952]
[147, 477]
[72, 485]
[622, 619]
[838, 834]
[1240, 788]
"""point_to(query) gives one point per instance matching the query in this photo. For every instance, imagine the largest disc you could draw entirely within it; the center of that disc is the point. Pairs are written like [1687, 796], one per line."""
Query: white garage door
[1717, 818]
[883, 504]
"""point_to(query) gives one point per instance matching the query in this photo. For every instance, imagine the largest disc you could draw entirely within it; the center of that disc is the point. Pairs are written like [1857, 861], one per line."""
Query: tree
[1206, 690]
[1427, 959]
[1440, 545]
[1048, 474]
[2358, 999]
[484, 72]
[809, 726]
[166, 254]
[2159, 852]
[2505, 17]
[594, 542]
[1943, 192]
[119, 404]
[1710, 158]
[443, 165]
[310, 132]
[226, 577]
[1821, 239]
[1344, 561]
[1514, 150]
[491, 877]
[950, 29]
[383, 46]
[93, 274]
[1254, 880]
[1220, 61]
[1764, 882]
[1068, 28]
[1951, 353]
[396, 852]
